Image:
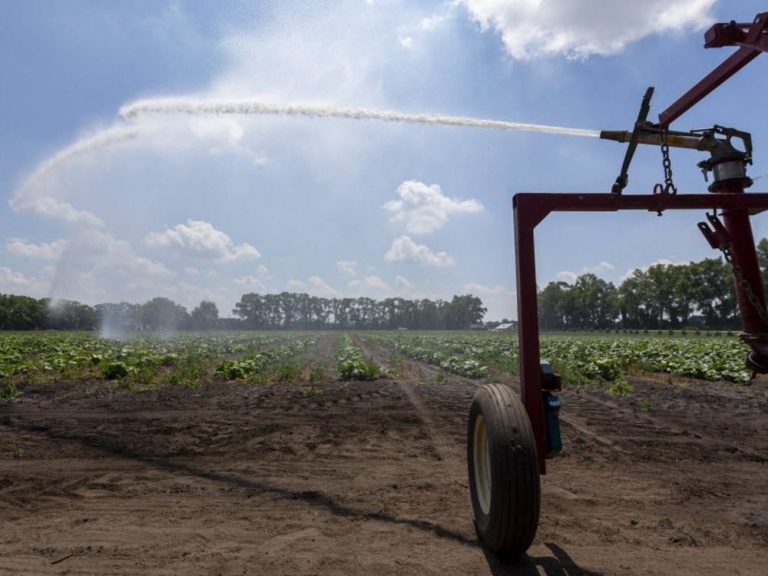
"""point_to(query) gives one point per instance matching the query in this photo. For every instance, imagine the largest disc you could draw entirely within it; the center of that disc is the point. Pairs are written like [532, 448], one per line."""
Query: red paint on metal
[753, 41]
[531, 208]
[528, 325]
[742, 246]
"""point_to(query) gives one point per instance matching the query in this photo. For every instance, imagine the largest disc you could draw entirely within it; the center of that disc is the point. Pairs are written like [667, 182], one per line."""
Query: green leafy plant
[352, 366]
[115, 370]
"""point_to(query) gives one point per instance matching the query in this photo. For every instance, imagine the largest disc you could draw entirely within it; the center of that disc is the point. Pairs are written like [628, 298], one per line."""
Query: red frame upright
[728, 196]
[531, 208]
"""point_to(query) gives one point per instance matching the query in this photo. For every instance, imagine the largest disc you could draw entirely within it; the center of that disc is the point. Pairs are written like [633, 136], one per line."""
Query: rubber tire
[508, 523]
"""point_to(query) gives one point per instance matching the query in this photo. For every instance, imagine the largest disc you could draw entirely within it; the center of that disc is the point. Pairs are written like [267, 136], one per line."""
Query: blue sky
[97, 208]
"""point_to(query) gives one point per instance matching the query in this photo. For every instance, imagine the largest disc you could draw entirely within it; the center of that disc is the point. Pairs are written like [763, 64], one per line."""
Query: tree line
[286, 310]
[302, 311]
[663, 296]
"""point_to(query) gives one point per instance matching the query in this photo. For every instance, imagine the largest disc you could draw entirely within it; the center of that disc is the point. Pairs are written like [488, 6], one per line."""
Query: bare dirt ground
[370, 478]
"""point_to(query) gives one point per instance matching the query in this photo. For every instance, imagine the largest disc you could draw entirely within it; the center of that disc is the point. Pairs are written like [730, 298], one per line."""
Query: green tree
[163, 314]
[551, 303]
[595, 301]
[762, 259]
[464, 311]
[205, 316]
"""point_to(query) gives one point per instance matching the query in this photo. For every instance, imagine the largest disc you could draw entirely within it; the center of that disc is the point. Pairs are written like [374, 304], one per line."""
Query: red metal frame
[752, 39]
[530, 209]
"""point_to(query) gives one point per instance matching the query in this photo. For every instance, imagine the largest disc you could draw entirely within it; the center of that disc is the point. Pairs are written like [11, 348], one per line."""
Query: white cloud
[34, 195]
[44, 250]
[347, 267]
[50, 207]
[371, 282]
[96, 267]
[435, 21]
[566, 276]
[224, 137]
[320, 287]
[424, 209]
[263, 272]
[580, 28]
[314, 285]
[17, 283]
[570, 277]
[404, 249]
[406, 42]
[251, 282]
[199, 239]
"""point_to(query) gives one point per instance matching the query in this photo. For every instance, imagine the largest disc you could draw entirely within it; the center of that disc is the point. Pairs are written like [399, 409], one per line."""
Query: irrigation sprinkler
[510, 438]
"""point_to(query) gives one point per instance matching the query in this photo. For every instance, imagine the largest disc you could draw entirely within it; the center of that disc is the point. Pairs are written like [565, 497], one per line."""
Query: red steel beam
[531, 208]
[752, 45]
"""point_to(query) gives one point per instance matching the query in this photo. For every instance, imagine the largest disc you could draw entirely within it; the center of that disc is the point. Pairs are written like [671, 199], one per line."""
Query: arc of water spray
[32, 195]
[23, 198]
[214, 107]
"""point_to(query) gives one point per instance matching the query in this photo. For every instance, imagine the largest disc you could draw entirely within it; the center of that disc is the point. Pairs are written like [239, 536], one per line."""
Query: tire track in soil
[446, 449]
[604, 422]
[621, 429]
[687, 447]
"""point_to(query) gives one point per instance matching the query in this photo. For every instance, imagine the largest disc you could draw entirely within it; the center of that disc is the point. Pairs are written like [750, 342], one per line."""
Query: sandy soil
[370, 478]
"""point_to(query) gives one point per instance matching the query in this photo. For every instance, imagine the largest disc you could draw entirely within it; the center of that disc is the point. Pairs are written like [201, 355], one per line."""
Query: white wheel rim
[481, 452]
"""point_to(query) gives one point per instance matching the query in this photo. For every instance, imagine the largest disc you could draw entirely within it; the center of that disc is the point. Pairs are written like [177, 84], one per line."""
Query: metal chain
[745, 286]
[669, 185]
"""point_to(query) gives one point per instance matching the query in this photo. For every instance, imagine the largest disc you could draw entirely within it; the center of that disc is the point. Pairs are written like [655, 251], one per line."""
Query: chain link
[669, 185]
[742, 283]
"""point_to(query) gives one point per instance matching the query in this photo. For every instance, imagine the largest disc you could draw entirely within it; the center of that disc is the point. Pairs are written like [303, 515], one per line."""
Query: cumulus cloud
[96, 267]
[224, 136]
[44, 250]
[570, 277]
[370, 282]
[50, 207]
[314, 285]
[424, 209]
[257, 281]
[581, 28]
[35, 195]
[14, 282]
[199, 239]
[251, 282]
[347, 267]
[320, 287]
[404, 249]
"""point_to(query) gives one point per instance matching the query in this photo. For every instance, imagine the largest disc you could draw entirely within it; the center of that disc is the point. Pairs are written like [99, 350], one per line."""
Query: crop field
[194, 359]
[344, 453]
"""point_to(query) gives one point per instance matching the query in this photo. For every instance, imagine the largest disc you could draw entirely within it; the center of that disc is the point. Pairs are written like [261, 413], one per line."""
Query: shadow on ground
[559, 564]
[312, 497]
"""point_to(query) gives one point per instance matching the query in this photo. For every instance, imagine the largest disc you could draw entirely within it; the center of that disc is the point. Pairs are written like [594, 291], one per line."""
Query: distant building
[506, 327]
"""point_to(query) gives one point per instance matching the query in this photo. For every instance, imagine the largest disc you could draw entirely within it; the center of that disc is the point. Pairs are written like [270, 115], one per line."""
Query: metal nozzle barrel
[615, 135]
[653, 137]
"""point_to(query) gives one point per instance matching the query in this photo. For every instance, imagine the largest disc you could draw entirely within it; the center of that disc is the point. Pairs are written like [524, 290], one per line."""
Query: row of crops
[192, 359]
[581, 358]
[146, 360]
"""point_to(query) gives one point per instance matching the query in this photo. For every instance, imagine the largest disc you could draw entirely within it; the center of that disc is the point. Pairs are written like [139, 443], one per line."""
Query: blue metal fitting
[552, 405]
